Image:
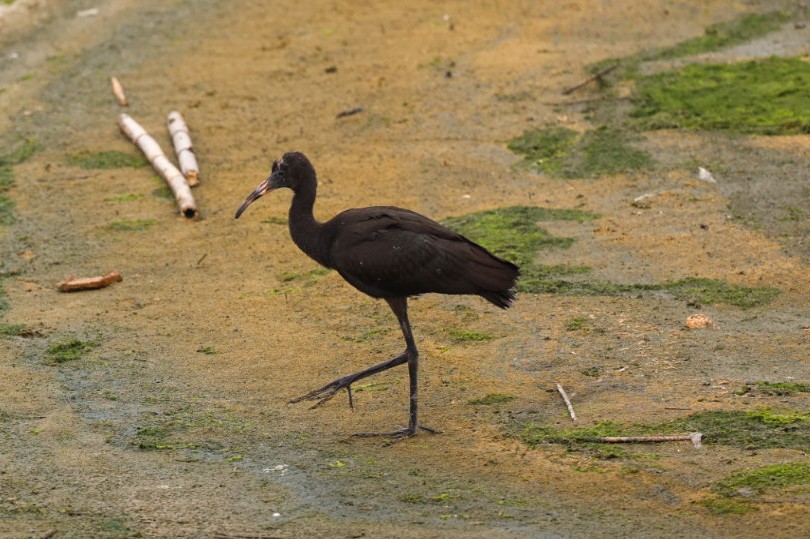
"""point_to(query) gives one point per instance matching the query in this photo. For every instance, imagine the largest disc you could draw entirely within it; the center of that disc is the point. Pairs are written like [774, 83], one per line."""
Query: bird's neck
[306, 231]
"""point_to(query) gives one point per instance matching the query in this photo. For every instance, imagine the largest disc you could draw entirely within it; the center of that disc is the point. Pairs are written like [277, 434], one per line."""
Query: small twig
[590, 79]
[202, 258]
[695, 437]
[349, 112]
[567, 402]
[48, 534]
[221, 535]
[71, 284]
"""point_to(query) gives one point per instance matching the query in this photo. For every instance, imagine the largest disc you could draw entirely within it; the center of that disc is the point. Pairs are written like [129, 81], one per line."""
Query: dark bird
[387, 253]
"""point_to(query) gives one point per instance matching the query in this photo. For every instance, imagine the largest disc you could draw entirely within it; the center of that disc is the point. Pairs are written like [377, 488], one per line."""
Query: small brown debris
[72, 284]
[698, 321]
[118, 91]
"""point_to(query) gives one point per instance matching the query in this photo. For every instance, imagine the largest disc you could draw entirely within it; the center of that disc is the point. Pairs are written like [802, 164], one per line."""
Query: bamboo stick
[151, 149]
[695, 437]
[72, 284]
[118, 91]
[567, 402]
[182, 147]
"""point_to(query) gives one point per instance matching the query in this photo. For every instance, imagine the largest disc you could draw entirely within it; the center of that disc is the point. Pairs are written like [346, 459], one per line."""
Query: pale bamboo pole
[182, 147]
[118, 91]
[696, 438]
[567, 401]
[151, 149]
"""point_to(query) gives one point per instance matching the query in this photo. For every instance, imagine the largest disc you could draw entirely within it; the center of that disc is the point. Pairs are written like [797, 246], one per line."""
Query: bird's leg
[400, 308]
[325, 393]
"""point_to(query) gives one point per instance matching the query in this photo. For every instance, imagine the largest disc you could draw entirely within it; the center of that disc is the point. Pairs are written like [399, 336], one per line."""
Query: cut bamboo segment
[151, 149]
[118, 91]
[182, 147]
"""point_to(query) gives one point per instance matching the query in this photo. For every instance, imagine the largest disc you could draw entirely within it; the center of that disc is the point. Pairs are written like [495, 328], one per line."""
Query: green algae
[760, 480]
[131, 225]
[767, 97]
[492, 398]
[513, 233]
[757, 429]
[563, 153]
[715, 37]
[69, 350]
[105, 160]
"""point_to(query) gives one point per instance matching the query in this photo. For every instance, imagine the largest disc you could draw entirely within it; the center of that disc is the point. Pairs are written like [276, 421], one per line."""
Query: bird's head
[291, 171]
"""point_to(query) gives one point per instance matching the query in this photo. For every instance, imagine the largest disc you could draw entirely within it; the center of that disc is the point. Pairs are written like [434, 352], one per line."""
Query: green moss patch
[105, 160]
[723, 506]
[765, 97]
[715, 37]
[513, 233]
[4, 305]
[702, 291]
[298, 280]
[68, 350]
[189, 429]
[575, 324]
[464, 335]
[10, 330]
[19, 152]
[492, 398]
[783, 389]
[563, 153]
[125, 197]
[305, 276]
[758, 429]
[131, 225]
[761, 480]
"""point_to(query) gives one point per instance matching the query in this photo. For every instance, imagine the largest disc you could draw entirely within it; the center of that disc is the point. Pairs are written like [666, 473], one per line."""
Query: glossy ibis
[387, 253]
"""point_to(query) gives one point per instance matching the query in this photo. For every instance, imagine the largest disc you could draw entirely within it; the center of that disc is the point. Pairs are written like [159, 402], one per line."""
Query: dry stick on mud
[696, 438]
[151, 149]
[118, 91]
[590, 79]
[72, 284]
[182, 147]
[567, 402]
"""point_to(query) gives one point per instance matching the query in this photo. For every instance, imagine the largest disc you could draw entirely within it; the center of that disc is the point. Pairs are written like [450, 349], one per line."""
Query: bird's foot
[397, 435]
[325, 393]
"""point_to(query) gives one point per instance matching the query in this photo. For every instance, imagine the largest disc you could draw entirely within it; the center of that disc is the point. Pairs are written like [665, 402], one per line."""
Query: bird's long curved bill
[257, 193]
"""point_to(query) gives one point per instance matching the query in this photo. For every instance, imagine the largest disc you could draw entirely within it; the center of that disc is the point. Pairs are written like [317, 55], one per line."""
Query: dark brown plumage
[387, 253]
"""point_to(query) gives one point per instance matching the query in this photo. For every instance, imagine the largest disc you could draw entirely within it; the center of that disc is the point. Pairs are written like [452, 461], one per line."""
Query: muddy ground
[176, 423]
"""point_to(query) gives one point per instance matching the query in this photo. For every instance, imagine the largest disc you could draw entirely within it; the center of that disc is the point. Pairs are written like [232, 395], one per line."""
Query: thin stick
[695, 437]
[182, 147]
[118, 91]
[567, 402]
[72, 284]
[151, 149]
[349, 112]
[590, 79]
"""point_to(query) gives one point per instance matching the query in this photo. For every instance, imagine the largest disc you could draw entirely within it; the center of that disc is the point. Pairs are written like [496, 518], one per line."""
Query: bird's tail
[496, 279]
[502, 299]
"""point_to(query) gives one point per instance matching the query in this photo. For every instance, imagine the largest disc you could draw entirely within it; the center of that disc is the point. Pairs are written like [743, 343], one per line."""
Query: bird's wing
[394, 252]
